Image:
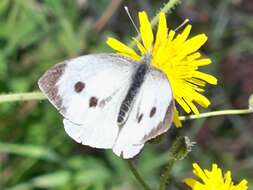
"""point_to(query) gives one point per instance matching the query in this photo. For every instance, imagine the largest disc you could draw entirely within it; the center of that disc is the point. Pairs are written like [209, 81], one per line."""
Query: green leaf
[33, 151]
[52, 180]
[56, 179]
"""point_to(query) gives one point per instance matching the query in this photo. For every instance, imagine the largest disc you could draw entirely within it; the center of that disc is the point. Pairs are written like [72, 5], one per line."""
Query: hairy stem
[165, 177]
[178, 151]
[167, 8]
[137, 175]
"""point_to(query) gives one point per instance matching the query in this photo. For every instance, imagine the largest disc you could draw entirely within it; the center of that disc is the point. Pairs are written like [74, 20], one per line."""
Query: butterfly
[110, 101]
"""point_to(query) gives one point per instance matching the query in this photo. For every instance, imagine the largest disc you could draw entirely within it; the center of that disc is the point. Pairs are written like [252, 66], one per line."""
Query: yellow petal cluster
[177, 56]
[213, 180]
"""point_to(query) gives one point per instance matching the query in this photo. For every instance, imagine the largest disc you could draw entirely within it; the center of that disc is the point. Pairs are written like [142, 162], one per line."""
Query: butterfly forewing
[88, 91]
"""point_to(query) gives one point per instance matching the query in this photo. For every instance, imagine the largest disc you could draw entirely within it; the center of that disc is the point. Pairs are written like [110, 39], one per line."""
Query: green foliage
[36, 153]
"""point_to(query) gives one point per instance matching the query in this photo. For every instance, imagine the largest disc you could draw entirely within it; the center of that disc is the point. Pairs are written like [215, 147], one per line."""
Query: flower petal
[199, 172]
[193, 56]
[162, 31]
[183, 104]
[206, 77]
[146, 30]
[213, 180]
[186, 32]
[201, 100]
[242, 185]
[197, 82]
[201, 62]
[176, 119]
[193, 107]
[122, 48]
[194, 184]
[193, 44]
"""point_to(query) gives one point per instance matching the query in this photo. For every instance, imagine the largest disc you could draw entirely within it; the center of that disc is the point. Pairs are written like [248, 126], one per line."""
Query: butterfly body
[110, 101]
[137, 80]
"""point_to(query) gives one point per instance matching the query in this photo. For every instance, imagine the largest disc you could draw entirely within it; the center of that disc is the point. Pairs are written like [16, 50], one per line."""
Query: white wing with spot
[91, 111]
[150, 116]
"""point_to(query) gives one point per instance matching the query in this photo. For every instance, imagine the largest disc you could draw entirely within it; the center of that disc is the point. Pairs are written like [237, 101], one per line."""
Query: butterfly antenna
[130, 17]
[181, 25]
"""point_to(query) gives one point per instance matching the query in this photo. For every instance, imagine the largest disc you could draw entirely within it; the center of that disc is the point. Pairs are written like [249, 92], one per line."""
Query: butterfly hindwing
[150, 116]
[88, 92]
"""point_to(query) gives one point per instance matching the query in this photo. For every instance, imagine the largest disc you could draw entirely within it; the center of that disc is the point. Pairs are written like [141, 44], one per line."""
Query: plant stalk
[27, 96]
[217, 113]
[178, 151]
[137, 175]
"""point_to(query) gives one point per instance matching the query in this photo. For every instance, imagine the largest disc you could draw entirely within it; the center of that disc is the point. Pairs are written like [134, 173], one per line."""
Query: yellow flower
[213, 180]
[177, 57]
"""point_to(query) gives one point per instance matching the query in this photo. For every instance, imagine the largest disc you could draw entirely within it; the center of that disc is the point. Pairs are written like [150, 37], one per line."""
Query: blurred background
[36, 153]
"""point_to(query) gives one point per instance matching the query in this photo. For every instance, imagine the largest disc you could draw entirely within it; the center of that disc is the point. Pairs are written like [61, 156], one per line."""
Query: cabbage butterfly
[110, 101]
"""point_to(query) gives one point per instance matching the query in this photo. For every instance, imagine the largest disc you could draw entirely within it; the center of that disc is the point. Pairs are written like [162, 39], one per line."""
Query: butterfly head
[147, 58]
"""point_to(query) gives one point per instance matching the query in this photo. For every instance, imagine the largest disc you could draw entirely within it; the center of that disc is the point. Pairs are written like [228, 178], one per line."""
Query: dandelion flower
[213, 180]
[177, 56]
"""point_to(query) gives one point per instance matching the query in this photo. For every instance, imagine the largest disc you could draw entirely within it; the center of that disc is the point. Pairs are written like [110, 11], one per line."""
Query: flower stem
[22, 97]
[167, 8]
[178, 151]
[137, 175]
[217, 113]
[166, 177]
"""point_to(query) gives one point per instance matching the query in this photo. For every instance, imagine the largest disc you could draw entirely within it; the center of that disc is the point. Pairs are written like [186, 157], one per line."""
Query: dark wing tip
[50, 78]
[47, 84]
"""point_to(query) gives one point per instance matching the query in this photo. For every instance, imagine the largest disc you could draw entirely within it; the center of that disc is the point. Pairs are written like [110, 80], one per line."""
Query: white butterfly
[110, 101]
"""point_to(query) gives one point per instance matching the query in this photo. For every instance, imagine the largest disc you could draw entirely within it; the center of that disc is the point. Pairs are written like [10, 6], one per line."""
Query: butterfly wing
[88, 92]
[150, 116]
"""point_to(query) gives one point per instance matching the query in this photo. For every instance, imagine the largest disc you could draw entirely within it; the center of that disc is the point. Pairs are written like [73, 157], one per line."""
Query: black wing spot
[93, 102]
[152, 112]
[79, 86]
